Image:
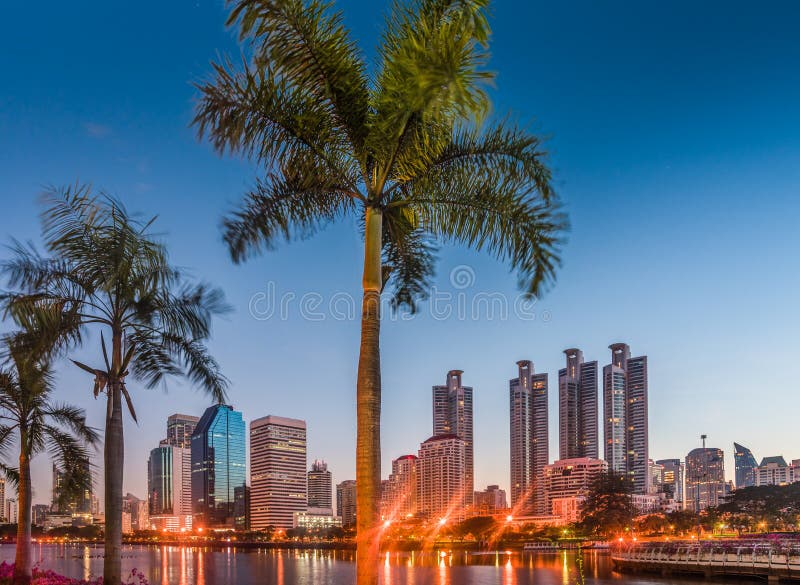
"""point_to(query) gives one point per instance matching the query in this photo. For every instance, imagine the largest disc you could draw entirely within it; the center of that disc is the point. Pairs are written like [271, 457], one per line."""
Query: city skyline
[651, 191]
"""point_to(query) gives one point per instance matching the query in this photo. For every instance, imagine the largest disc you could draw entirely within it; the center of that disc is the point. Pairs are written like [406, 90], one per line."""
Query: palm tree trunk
[22, 563]
[368, 409]
[114, 458]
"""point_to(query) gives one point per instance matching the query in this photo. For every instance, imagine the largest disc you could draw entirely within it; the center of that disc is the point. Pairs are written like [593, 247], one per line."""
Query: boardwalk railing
[773, 560]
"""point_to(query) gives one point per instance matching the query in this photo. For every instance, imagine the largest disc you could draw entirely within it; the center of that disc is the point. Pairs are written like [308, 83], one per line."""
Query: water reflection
[205, 566]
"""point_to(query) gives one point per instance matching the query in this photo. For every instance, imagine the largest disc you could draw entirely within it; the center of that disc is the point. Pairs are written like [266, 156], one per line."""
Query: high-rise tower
[745, 465]
[529, 440]
[577, 407]
[179, 430]
[277, 471]
[320, 487]
[218, 469]
[625, 416]
[452, 415]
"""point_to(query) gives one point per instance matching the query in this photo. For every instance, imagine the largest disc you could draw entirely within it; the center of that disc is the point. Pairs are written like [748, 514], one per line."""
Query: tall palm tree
[108, 271]
[31, 420]
[403, 149]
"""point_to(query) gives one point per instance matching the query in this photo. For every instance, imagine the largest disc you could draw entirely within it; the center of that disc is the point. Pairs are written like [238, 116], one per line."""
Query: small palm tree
[31, 419]
[401, 149]
[107, 271]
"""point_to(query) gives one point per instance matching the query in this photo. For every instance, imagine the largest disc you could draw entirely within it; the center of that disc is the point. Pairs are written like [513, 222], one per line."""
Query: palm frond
[306, 44]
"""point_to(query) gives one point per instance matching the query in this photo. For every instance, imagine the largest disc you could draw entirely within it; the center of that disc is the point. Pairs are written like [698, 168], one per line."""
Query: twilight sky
[674, 132]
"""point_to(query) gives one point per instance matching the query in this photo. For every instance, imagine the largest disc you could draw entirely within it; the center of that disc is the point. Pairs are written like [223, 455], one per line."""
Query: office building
[577, 408]
[139, 511]
[39, 513]
[3, 495]
[169, 489]
[180, 428]
[452, 415]
[529, 440]
[491, 501]
[320, 487]
[625, 416]
[277, 471]
[672, 478]
[656, 473]
[568, 482]
[705, 478]
[745, 465]
[441, 483]
[346, 502]
[11, 511]
[773, 471]
[399, 493]
[218, 468]
[67, 496]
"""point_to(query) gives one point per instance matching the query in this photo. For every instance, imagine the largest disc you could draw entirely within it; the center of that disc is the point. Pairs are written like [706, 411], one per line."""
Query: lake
[176, 565]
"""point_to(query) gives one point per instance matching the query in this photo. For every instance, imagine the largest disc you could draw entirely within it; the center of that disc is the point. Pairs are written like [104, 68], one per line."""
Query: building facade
[577, 407]
[528, 394]
[571, 478]
[71, 499]
[399, 494]
[491, 501]
[169, 488]
[346, 502]
[625, 416]
[320, 487]
[673, 478]
[452, 415]
[441, 473]
[705, 478]
[218, 468]
[745, 465]
[773, 471]
[278, 464]
[180, 428]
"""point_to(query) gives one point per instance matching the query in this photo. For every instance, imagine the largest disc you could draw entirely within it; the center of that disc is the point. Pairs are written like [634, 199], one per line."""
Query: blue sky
[674, 135]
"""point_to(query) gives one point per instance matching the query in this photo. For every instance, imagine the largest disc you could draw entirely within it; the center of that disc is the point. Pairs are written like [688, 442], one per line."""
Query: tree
[608, 508]
[30, 418]
[403, 151]
[108, 272]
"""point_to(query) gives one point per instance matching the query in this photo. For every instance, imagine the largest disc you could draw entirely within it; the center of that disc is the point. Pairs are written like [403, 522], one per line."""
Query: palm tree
[30, 418]
[404, 150]
[107, 271]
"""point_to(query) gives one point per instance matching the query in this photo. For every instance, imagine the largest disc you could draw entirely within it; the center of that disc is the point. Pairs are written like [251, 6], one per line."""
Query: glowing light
[387, 524]
[509, 518]
[442, 554]
[442, 521]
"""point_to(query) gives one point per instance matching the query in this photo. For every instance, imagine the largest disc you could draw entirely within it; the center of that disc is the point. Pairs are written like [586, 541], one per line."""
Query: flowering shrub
[48, 577]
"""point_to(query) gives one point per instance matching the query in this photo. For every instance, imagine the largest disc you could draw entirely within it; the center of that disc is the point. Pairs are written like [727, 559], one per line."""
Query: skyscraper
[625, 416]
[673, 478]
[529, 440]
[399, 496]
[71, 499]
[169, 481]
[218, 468]
[179, 430]
[452, 415]
[346, 502]
[745, 465]
[277, 471]
[577, 408]
[320, 487]
[705, 478]
[441, 491]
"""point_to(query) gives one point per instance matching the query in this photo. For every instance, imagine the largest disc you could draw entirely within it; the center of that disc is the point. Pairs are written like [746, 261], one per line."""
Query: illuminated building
[773, 471]
[218, 468]
[452, 415]
[277, 471]
[625, 416]
[529, 439]
[705, 478]
[399, 496]
[672, 478]
[441, 473]
[577, 408]
[316, 519]
[491, 501]
[571, 478]
[320, 487]
[62, 502]
[346, 502]
[745, 465]
[179, 430]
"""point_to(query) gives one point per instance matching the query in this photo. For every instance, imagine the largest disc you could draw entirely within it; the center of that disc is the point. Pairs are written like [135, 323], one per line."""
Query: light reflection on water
[175, 565]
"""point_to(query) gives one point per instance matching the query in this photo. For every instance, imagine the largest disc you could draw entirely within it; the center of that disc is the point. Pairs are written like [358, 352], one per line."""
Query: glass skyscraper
[745, 465]
[218, 469]
[452, 414]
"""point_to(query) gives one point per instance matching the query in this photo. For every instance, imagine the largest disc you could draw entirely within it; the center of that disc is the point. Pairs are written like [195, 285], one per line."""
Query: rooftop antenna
[704, 437]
